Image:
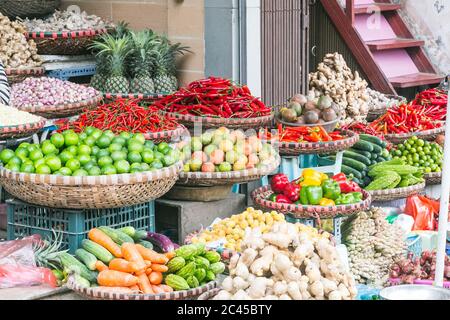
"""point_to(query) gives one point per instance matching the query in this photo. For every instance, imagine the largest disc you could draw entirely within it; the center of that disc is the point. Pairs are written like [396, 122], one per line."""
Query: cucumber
[366, 154]
[117, 236]
[372, 139]
[385, 154]
[146, 244]
[356, 156]
[356, 180]
[366, 181]
[139, 235]
[130, 231]
[352, 163]
[97, 250]
[373, 162]
[81, 282]
[363, 145]
[71, 264]
[87, 258]
[348, 170]
[376, 148]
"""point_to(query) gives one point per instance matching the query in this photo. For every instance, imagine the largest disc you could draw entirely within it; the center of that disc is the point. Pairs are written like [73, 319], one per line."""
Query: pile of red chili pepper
[404, 119]
[301, 134]
[360, 127]
[122, 115]
[214, 97]
[434, 102]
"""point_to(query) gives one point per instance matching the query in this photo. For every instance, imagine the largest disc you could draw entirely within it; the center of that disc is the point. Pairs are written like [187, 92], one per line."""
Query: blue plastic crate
[65, 74]
[414, 243]
[26, 219]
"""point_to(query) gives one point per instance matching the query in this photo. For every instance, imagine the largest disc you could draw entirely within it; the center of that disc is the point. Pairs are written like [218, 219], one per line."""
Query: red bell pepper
[281, 198]
[292, 192]
[347, 186]
[279, 183]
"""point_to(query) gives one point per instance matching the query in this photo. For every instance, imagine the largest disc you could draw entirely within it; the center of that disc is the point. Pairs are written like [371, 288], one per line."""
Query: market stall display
[380, 102]
[373, 245]
[93, 169]
[285, 264]
[16, 124]
[53, 98]
[216, 102]
[313, 195]
[129, 116]
[347, 89]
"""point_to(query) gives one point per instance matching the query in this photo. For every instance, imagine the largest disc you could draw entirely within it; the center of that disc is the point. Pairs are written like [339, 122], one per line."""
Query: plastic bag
[424, 211]
[19, 251]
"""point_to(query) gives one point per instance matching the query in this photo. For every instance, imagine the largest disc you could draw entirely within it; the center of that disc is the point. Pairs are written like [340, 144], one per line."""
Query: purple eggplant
[161, 241]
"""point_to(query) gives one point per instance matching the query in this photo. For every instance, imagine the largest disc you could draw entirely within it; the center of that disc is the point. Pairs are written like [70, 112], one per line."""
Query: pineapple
[98, 80]
[46, 254]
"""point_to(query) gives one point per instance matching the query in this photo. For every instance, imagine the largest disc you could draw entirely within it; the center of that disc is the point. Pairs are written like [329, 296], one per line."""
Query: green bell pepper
[272, 197]
[331, 189]
[311, 195]
[349, 198]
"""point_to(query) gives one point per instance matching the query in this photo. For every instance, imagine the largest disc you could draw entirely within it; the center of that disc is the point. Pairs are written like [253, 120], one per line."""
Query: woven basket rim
[178, 131]
[218, 120]
[89, 292]
[231, 174]
[393, 192]
[75, 105]
[160, 95]
[116, 179]
[432, 175]
[32, 125]
[429, 132]
[36, 70]
[309, 211]
[65, 34]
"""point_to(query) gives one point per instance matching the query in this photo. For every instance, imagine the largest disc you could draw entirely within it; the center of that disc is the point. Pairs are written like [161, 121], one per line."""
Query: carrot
[148, 263]
[135, 288]
[123, 265]
[102, 239]
[155, 277]
[166, 288]
[151, 255]
[157, 289]
[131, 253]
[113, 278]
[159, 267]
[170, 255]
[100, 266]
[144, 284]
[148, 271]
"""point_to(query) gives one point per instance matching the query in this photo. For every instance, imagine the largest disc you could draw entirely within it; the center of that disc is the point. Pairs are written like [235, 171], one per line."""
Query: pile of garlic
[378, 100]
[15, 50]
[347, 89]
[284, 264]
[372, 244]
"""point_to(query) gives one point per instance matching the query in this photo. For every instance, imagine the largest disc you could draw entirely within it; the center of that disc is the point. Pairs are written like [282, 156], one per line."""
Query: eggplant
[161, 241]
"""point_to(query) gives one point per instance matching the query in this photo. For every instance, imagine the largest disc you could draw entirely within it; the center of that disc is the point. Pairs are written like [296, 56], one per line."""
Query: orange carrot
[148, 271]
[157, 289]
[102, 239]
[113, 278]
[155, 277]
[123, 265]
[166, 288]
[148, 263]
[159, 267]
[170, 255]
[131, 253]
[151, 255]
[144, 284]
[100, 266]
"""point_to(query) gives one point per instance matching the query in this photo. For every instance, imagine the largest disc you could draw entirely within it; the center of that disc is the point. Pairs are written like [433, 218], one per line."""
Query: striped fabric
[4, 87]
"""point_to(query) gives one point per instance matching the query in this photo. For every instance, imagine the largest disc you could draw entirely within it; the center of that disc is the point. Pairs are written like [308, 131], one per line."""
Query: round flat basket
[394, 194]
[147, 97]
[328, 126]
[381, 109]
[207, 179]
[100, 192]
[295, 149]
[428, 135]
[20, 131]
[210, 294]
[231, 123]
[260, 195]
[19, 74]
[165, 136]
[28, 8]
[433, 178]
[63, 110]
[66, 42]
[98, 294]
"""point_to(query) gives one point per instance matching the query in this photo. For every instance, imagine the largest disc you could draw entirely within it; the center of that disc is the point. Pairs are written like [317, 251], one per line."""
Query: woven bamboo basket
[66, 42]
[377, 112]
[260, 195]
[207, 179]
[231, 123]
[100, 192]
[166, 136]
[15, 75]
[98, 294]
[209, 295]
[20, 131]
[429, 135]
[64, 110]
[433, 178]
[28, 8]
[146, 97]
[328, 126]
[394, 194]
[295, 149]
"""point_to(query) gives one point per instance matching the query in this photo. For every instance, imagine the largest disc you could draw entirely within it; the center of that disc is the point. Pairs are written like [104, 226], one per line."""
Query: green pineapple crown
[165, 60]
[112, 53]
[142, 57]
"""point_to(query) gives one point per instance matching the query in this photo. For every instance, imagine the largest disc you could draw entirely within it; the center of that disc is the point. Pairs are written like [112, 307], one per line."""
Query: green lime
[14, 167]
[49, 148]
[104, 161]
[66, 156]
[90, 141]
[157, 164]
[139, 137]
[22, 152]
[134, 157]
[114, 147]
[144, 167]
[428, 169]
[84, 149]
[134, 145]
[6, 155]
[135, 167]
[71, 139]
[72, 149]
[36, 155]
[147, 156]
[54, 163]
[82, 136]
[122, 166]
[94, 150]
[118, 155]
[413, 138]
[83, 158]
[109, 169]
[80, 173]
[125, 135]
[27, 168]
[95, 171]
[158, 155]
[97, 133]
[24, 145]
[119, 140]
[103, 142]
[103, 153]
[65, 171]
[89, 130]
[162, 146]
[38, 162]
[73, 164]
[149, 143]
[43, 169]
[89, 165]
[168, 160]
[109, 134]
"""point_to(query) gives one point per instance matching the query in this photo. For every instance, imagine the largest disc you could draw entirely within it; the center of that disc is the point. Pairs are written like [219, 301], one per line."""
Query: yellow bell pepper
[324, 177]
[326, 202]
[311, 177]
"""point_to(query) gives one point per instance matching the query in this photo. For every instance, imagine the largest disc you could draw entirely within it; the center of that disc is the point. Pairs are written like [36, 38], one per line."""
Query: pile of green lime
[420, 153]
[92, 152]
